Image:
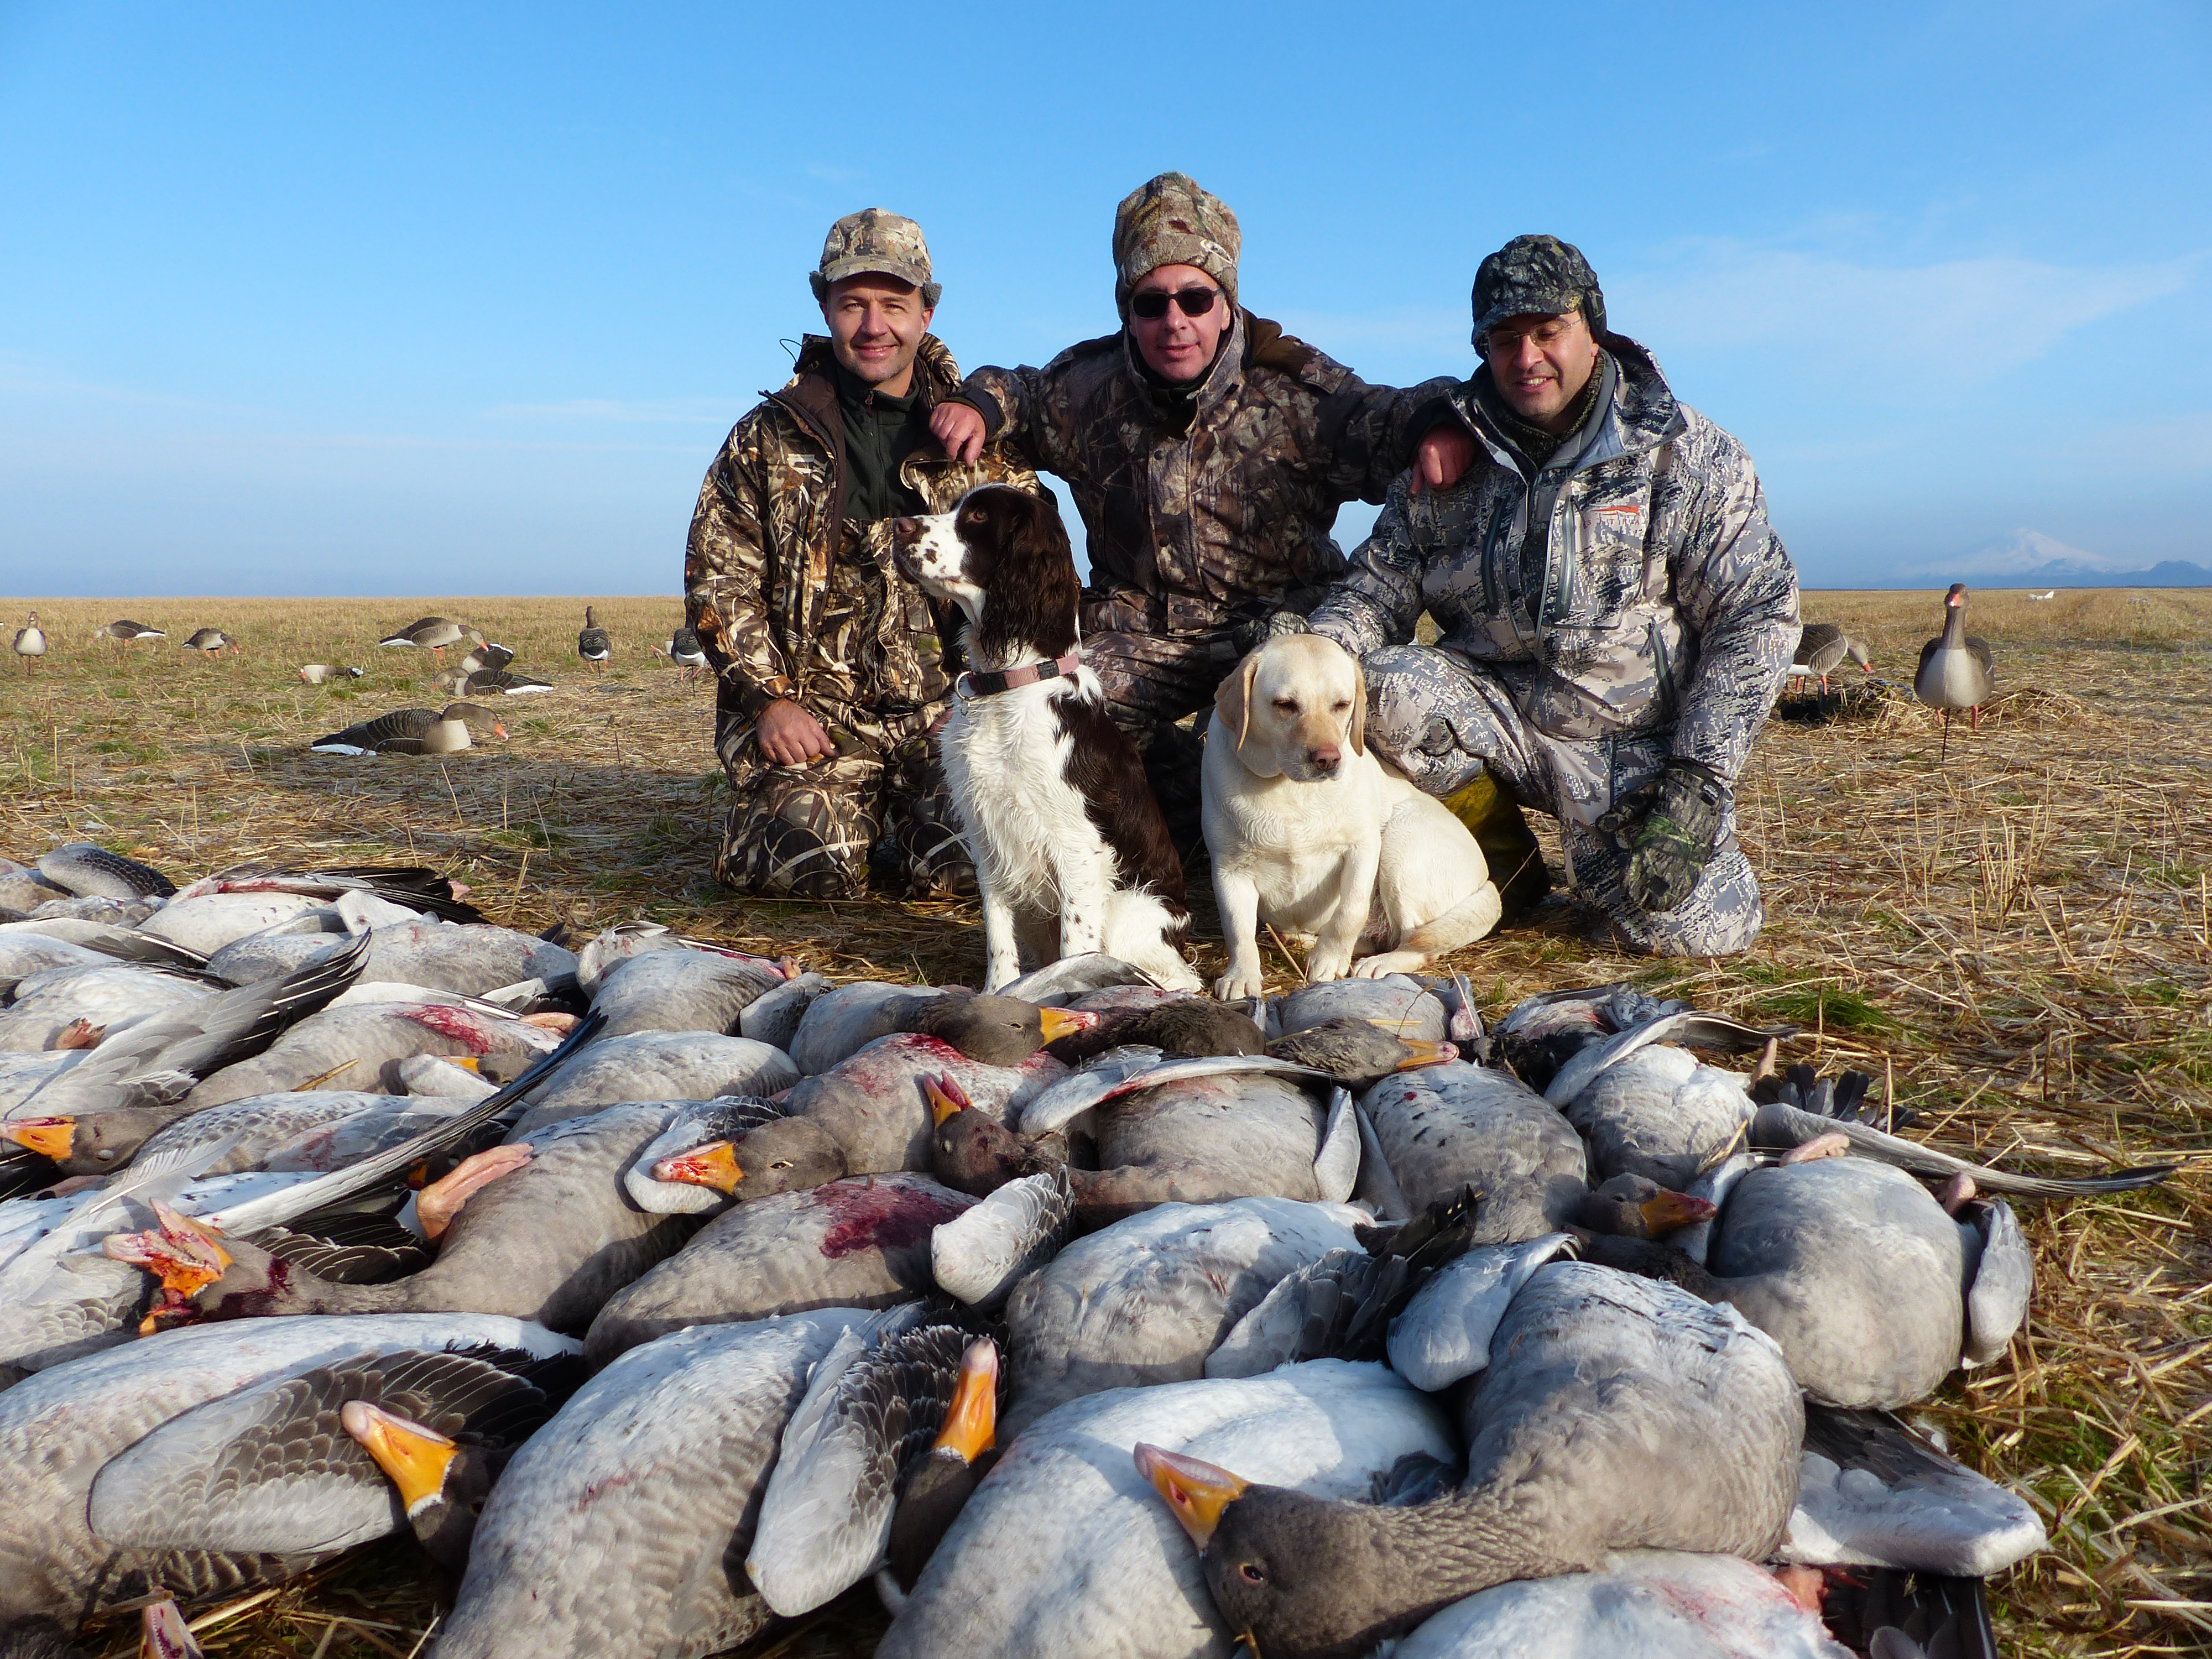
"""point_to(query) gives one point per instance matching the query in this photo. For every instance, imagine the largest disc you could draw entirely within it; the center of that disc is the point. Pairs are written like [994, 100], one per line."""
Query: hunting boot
[1516, 864]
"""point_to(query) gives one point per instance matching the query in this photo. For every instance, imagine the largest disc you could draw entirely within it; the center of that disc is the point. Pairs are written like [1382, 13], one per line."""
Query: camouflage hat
[876, 242]
[1171, 221]
[1537, 276]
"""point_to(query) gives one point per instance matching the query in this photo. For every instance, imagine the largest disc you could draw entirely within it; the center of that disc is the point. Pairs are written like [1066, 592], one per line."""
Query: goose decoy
[863, 1241]
[1103, 1567]
[593, 643]
[1821, 649]
[320, 673]
[619, 1526]
[433, 634]
[485, 658]
[61, 1428]
[412, 732]
[214, 642]
[686, 653]
[1614, 1415]
[93, 871]
[125, 632]
[30, 642]
[1956, 667]
[543, 1230]
[494, 682]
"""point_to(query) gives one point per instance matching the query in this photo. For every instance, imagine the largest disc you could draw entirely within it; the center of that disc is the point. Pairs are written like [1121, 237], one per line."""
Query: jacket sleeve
[1379, 602]
[1025, 411]
[1369, 431]
[724, 575]
[1737, 587]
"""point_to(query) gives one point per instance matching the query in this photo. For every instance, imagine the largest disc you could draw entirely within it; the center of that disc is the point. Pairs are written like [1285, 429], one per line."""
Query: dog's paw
[1241, 982]
[1389, 963]
[1327, 963]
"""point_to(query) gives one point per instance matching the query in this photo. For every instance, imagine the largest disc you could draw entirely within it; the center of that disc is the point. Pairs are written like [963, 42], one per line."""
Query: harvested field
[2017, 945]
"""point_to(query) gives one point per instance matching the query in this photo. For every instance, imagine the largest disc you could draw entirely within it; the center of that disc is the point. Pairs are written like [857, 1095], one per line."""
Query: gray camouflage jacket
[1218, 508]
[1668, 603]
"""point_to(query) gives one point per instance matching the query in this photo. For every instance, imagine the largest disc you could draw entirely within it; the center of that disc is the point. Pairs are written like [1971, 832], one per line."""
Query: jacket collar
[1644, 413]
[1214, 387]
[811, 392]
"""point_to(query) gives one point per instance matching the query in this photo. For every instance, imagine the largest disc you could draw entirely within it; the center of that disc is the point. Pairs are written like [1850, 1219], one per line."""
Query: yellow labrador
[1311, 833]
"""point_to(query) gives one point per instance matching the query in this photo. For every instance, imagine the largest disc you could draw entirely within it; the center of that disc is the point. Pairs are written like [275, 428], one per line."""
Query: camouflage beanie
[1537, 276]
[1171, 221]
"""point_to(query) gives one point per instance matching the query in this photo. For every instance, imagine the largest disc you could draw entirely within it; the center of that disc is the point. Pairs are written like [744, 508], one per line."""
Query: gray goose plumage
[593, 643]
[1616, 1414]
[412, 732]
[1822, 649]
[1445, 1128]
[213, 641]
[1956, 668]
[123, 631]
[30, 642]
[432, 634]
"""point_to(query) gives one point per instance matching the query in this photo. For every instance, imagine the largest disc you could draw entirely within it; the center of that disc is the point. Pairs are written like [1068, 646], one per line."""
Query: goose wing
[982, 1253]
[1870, 1492]
[1781, 1125]
[2004, 1273]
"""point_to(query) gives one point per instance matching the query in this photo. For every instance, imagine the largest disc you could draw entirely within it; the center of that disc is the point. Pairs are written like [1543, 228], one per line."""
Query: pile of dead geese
[664, 1291]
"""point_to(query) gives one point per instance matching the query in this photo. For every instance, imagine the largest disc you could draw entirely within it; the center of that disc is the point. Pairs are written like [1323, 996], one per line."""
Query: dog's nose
[905, 530]
[1325, 756]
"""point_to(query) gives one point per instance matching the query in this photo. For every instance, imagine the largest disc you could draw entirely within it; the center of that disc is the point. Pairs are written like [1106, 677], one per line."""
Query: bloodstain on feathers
[869, 1215]
[456, 1024]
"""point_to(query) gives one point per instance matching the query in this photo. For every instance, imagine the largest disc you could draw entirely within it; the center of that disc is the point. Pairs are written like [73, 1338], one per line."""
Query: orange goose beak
[971, 1421]
[1668, 1211]
[185, 1255]
[1424, 1053]
[413, 1458]
[945, 1095]
[49, 1137]
[1197, 1491]
[1057, 1022]
[714, 1164]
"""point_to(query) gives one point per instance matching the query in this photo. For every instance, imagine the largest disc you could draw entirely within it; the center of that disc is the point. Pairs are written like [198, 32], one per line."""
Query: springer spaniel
[1052, 797]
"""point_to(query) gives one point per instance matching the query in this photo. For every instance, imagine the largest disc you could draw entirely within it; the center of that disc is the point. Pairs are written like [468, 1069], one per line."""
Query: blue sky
[439, 300]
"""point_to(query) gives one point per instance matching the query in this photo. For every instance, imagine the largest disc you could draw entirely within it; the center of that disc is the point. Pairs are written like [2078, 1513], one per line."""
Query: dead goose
[1102, 1568]
[59, 1430]
[999, 1030]
[593, 643]
[859, 1242]
[546, 1233]
[320, 673]
[682, 1065]
[619, 1526]
[72, 1007]
[1145, 1300]
[1443, 1127]
[683, 990]
[30, 643]
[1615, 1413]
[214, 642]
[433, 634]
[1397, 1002]
[93, 871]
[1956, 667]
[412, 732]
[355, 1046]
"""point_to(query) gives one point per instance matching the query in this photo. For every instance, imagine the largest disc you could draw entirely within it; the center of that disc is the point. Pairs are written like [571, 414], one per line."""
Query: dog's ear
[1232, 701]
[1357, 731]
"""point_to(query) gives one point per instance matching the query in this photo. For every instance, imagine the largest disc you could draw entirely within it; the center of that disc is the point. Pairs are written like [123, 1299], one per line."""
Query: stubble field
[2016, 943]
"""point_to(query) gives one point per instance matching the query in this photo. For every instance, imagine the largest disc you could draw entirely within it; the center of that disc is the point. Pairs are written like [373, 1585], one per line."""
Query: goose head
[1357, 1054]
[788, 1155]
[91, 1145]
[971, 1151]
[1636, 1207]
[442, 1484]
[190, 1261]
[996, 1030]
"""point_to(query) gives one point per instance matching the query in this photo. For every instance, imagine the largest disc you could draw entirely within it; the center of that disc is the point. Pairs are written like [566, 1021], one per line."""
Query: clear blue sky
[418, 299]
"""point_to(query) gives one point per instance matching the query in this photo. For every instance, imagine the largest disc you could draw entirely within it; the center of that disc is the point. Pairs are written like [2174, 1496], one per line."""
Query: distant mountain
[2028, 558]
[2166, 573]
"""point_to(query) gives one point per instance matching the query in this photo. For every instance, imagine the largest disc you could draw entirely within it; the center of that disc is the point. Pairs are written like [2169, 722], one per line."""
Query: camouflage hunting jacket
[1213, 506]
[1667, 603]
[792, 600]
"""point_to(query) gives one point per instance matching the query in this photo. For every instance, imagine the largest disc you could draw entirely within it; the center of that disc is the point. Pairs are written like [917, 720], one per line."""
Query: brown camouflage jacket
[1667, 604]
[1219, 507]
[792, 599]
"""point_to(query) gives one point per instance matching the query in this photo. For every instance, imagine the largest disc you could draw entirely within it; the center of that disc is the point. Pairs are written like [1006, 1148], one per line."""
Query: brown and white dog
[1071, 852]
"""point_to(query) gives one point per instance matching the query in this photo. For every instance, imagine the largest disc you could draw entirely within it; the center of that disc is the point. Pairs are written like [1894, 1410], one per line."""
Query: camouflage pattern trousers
[813, 832]
[1440, 719]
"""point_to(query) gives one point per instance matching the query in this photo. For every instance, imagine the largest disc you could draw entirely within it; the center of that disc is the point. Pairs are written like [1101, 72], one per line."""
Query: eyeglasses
[1152, 304]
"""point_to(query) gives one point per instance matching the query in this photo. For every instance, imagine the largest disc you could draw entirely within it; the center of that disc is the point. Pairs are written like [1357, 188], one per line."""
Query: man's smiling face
[876, 326]
[1540, 363]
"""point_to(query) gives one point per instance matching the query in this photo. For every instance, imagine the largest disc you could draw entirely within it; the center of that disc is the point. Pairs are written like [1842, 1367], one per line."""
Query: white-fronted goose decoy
[1955, 667]
[486, 658]
[433, 634]
[31, 642]
[619, 1526]
[686, 653]
[321, 673]
[494, 682]
[1821, 649]
[593, 643]
[1614, 1415]
[412, 732]
[125, 632]
[60, 1429]
[214, 642]
[1102, 1567]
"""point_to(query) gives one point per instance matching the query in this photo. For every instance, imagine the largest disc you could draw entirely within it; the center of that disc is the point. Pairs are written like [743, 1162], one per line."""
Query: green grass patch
[1827, 1008]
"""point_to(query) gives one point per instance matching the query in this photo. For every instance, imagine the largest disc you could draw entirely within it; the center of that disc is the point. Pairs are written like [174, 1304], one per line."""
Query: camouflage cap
[876, 242]
[1171, 221]
[1537, 276]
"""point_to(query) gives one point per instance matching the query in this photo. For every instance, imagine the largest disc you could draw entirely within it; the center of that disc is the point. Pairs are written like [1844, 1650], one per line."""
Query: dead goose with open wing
[73, 1008]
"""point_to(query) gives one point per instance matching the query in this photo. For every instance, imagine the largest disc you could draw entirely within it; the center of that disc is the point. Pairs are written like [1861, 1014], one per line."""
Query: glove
[1668, 830]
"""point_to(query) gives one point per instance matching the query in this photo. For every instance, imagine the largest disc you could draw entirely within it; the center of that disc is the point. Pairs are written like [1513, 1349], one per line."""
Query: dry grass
[2018, 946]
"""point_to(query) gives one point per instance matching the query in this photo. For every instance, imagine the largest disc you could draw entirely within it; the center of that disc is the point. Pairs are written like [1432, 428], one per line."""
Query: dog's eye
[1339, 707]
[976, 517]
[1288, 705]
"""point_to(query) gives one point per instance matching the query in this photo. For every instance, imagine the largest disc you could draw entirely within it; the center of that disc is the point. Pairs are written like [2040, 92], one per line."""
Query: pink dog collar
[1007, 680]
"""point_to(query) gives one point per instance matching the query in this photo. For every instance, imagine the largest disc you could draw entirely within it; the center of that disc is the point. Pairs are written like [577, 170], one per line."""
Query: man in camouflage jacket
[1208, 499]
[1616, 615]
[789, 579]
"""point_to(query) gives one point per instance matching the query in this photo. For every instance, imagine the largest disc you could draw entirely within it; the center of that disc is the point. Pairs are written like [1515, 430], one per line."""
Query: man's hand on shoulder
[789, 736]
[1444, 454]
[959, 429]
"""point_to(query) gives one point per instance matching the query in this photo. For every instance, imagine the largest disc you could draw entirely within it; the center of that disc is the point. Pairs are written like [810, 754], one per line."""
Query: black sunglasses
[1152, 304]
